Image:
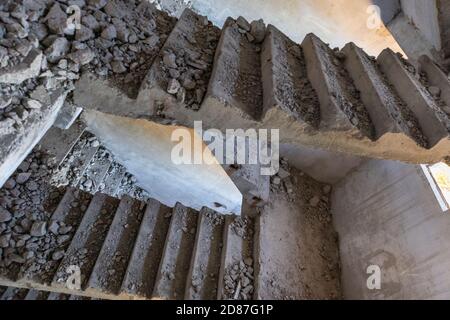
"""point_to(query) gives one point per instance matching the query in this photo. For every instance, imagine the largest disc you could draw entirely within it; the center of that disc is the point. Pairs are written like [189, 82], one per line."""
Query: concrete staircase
[338, 100]
[83, 163]
[11, 294]
[249, 76]
[129, 249]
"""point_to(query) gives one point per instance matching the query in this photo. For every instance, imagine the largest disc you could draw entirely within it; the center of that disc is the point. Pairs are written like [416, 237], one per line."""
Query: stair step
[388, 112]
[189, 50]
[68, 215]
[140, 276]
[341, 107]
[113, 179]
[12, 293]
[36, 295]
[202, 280]
[285, 80]
[437, 78]
[58, 296]
[175, 262]
[72, 297]
[434, 122]
[96, 171]
[87, 241]
[16, 145]
[236, 268]
[76, 162]
[236, 77]
[109, 270]
[59, 143]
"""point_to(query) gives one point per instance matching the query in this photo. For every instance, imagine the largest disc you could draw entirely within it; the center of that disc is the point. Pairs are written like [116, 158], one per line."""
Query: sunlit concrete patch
[145, 149]
[441, 175]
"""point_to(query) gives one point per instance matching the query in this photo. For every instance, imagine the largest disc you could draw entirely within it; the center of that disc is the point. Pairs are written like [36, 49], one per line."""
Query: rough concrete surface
[299, 212]
[386, 214]
[135, 141]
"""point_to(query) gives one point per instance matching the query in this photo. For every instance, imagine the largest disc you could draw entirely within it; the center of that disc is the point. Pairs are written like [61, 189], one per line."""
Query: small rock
[97, 4]
[28, 255]
[90, 22]
[258, 30]
[32, 186]
[5, 101]
[5, 215]
[314, 202]
[169, 60]
[250, 38]
[113, 9]
[10, 184]
[59, 48]
[435, 91]
[29, 68]
[64, 230]
[33, 104]
[82, 56]
[23, 177]
[242, 23]
[95, 144]
[4, 240]
[63, 239]
[53, 227]
[118, 67]
[283, 174]
[84, 34]
[87, 184]
[56, 19]
[109, 33]
[38, 229]
[173, 86]
[326, 189]
[58, 255]
[189, 84]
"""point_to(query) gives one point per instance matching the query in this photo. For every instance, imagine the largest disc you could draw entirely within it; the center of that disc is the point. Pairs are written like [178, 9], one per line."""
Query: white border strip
[435, 188]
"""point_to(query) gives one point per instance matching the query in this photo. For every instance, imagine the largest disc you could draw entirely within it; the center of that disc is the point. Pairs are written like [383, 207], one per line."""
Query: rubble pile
[29, 239]
[46, 44]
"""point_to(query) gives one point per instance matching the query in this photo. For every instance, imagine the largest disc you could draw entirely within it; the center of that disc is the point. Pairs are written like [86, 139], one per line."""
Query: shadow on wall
[335, 21]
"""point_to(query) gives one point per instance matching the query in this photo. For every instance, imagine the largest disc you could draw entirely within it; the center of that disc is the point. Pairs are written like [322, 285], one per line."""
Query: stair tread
[175, 262]
[387, 111]
[68, 215]
[435, 125]
[87, 241]
[147, 252]
[191, 46]
[112, 261]
[113, 179]
[203, 277]
[285, 79]
[237, 250]
[60, 142]
[340, 104]
[236, 76]
[96, 171]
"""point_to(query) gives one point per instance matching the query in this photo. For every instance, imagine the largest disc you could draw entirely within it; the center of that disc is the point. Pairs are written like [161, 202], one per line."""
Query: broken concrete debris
[27, 202]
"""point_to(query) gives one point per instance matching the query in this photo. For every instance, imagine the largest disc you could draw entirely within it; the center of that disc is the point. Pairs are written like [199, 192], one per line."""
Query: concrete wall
[324, 166]
[424, 15]
[411, 39]
[389, 9]
[386, 214]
